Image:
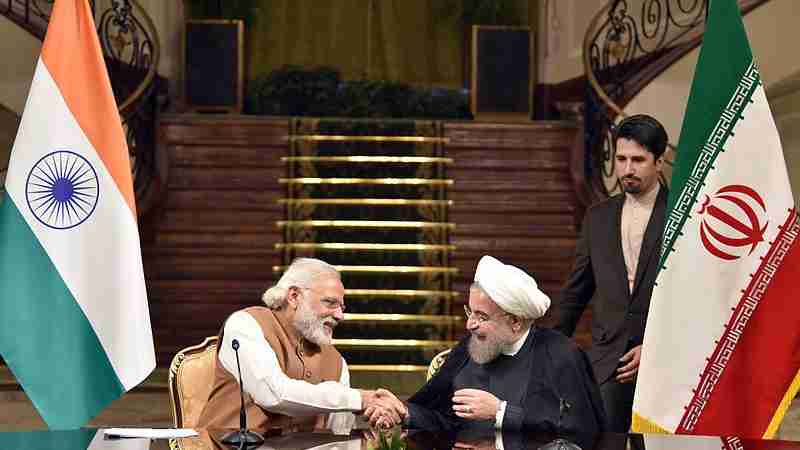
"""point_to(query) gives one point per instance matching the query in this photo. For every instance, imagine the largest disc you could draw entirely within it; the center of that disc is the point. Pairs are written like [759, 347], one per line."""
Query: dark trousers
[618, 402]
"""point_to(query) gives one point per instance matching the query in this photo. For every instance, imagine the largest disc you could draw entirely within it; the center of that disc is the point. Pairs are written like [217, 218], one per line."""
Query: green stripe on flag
[48, 440]
[45, 337]
[724, 81]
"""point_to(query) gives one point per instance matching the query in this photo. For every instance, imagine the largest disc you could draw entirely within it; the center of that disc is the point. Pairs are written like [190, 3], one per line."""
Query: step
[392, 344]
[364, 224]
[346, 138]
[363, 246]
[367, 181]
[360, 159]
[402, 319]
[385, 269]
[364, 201]
[400, 294]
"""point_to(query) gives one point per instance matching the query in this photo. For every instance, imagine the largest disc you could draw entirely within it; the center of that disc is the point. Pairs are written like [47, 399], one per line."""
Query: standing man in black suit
[616, 263]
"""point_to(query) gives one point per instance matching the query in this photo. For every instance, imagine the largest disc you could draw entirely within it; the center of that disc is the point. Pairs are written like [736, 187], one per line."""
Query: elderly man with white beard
[292, 376]
[508, 374]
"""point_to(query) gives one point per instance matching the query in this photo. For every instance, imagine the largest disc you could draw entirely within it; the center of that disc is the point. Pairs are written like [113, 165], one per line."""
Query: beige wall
[167, 16]
[562, 25]
[785, 102]
[20, 51]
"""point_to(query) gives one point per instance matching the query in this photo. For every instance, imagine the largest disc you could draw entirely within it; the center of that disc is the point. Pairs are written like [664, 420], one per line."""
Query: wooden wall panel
[209, 250]
[513, 199]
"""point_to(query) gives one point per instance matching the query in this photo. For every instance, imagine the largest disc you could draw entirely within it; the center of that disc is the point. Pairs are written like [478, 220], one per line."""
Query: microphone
[563, 408]
[242, 438]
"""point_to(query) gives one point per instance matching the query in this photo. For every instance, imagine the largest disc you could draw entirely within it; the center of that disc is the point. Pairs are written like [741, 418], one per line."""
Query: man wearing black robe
[548, 386]
[508, 374]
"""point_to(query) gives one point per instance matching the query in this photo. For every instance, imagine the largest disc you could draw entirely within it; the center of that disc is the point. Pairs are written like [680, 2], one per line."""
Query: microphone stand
[560, 443]
[242, 438]
[563, 409]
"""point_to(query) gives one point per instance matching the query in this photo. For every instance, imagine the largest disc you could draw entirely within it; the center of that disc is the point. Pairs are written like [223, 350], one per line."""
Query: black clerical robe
[548, 384]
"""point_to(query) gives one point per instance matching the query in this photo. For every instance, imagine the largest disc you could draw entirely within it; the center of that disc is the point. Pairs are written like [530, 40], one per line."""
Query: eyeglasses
[329, 303]
[479, 317]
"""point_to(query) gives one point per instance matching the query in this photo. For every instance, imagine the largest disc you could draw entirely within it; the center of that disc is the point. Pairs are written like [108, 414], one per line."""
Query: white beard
[312, 327]
[486, 350]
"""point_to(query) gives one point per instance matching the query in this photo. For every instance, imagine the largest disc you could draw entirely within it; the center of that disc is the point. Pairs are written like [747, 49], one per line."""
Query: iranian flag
[721, 351]
[74, 321]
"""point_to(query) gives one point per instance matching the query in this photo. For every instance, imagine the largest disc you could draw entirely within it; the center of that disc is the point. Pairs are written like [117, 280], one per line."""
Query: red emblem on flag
[731, 222]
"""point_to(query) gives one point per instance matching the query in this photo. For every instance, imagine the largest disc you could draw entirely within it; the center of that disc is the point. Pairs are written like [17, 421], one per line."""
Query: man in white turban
[508, 374]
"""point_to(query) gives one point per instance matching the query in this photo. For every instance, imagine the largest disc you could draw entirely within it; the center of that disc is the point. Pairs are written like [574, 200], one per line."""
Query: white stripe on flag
[667, 442]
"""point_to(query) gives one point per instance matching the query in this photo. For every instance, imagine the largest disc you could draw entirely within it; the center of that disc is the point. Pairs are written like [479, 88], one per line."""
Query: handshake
[382, 408]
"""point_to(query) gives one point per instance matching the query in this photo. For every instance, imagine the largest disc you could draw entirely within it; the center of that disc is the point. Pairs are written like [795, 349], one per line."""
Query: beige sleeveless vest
[298, 360]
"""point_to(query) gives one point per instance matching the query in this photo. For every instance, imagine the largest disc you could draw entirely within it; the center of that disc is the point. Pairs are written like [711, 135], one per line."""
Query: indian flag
[721, 351]
[74, 321]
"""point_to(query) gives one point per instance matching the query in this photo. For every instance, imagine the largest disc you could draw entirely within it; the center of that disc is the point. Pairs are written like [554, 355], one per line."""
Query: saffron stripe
[72, 54]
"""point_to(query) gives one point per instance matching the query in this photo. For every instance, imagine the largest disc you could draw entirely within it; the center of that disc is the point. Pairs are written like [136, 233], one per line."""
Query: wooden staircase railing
[131, 47]
[628, 44]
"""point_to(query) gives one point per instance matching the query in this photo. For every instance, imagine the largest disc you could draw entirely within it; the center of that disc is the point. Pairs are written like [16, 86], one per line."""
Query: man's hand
[627, 372]
[475, 404]
[382, 408]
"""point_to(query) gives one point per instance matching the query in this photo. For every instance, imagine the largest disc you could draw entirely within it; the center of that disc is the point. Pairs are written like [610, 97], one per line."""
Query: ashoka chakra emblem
[62, 190]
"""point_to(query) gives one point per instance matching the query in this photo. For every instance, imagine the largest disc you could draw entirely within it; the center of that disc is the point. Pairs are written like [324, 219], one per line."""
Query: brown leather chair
[191, 375]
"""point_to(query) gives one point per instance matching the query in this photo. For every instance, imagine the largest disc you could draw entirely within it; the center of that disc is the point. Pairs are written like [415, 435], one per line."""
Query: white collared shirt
[636, 212]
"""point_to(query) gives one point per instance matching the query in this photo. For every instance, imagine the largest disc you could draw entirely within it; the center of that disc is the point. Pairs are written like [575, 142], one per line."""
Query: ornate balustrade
[627, 45]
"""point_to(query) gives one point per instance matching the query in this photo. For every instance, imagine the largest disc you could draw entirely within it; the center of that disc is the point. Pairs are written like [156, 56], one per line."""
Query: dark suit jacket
[618, 316]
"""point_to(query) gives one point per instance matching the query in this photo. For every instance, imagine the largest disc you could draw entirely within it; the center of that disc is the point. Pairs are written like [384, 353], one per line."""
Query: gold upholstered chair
[436, 363]
[191, 376]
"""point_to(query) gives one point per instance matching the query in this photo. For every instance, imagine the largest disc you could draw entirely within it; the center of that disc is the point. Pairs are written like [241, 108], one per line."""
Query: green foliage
[294, 91]
[394, 441]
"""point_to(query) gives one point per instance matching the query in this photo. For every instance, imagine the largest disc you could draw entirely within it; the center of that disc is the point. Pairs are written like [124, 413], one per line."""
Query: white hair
[301, 273]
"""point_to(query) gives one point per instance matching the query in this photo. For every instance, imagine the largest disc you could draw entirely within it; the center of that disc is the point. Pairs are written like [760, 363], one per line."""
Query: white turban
[514, 291]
